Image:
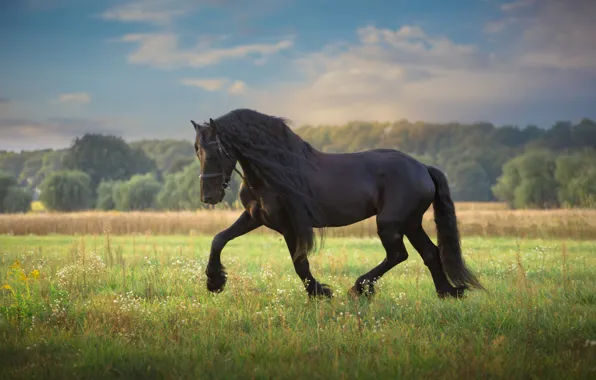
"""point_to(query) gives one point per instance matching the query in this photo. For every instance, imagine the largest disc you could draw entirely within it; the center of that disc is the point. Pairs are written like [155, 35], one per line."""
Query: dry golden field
[475, 219]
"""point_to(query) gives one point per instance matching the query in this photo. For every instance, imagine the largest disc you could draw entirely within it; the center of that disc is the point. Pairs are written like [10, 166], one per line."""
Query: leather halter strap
[221, 150]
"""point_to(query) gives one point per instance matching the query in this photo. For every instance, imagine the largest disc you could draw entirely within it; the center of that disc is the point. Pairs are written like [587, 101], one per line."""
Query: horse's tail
[448, 234]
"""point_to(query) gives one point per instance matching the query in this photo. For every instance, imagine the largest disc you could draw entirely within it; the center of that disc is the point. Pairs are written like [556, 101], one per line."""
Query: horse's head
[216, 162]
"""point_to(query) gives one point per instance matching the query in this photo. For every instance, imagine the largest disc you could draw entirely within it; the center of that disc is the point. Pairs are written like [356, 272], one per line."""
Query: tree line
[526, 167]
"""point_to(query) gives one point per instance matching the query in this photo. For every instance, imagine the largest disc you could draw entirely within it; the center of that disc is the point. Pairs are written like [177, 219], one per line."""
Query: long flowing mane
[280, 158]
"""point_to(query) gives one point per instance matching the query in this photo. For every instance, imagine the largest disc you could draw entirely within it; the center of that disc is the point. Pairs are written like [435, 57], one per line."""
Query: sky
[142, 69]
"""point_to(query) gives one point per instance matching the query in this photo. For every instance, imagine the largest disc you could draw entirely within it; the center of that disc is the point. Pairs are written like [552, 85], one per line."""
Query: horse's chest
[264, 206]
[271, 212]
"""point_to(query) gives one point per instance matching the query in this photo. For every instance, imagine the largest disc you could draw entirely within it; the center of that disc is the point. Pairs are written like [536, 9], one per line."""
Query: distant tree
[31, 167]
[17, 200]
[584, 134]
[180, 164]
[181, 191]
[529, 181]
[105, 195]
[52, 161]
[576, 177]
[166, 153]
[139, 193]
[7, 182]
[12, 163]
[67, 190]
[171, 195]
[470, 182]
[106, 158]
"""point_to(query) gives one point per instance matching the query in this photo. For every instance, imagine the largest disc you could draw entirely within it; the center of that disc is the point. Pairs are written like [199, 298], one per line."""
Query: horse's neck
[253, 180]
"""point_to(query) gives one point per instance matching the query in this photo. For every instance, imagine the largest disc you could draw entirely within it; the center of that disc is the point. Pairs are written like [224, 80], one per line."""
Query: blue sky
[143, 69]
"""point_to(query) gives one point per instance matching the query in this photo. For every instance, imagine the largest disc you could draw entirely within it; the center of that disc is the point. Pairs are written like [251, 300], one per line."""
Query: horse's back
[355, 186]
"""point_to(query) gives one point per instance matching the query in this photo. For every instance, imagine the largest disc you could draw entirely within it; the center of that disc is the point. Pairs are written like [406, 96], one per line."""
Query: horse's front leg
[302, 268]
[216, 275]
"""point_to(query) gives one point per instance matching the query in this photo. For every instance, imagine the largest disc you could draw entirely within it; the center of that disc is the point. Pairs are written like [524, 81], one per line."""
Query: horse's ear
[197, 126]
[213, 125]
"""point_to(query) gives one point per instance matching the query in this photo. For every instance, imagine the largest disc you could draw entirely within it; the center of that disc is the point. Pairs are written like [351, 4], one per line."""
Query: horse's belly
[345, 210]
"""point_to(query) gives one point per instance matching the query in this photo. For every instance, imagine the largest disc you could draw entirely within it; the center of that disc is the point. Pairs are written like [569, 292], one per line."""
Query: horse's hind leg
[391, 237]
[430, 255]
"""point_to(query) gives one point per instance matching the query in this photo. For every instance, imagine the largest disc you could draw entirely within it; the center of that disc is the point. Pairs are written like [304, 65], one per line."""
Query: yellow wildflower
[16, 265]
[34, 274]
[7, 287]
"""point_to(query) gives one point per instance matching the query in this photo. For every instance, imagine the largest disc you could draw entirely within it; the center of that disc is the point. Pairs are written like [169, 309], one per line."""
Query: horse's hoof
[362, 288]
[215, 287]
[216, 280]
[319, 290]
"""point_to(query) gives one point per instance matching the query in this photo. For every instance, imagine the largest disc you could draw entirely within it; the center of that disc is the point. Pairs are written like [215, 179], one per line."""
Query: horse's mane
[279, 157]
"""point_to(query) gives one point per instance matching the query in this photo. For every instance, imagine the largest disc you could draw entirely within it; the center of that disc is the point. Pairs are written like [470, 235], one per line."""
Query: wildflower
[8, 287]
[34, 273]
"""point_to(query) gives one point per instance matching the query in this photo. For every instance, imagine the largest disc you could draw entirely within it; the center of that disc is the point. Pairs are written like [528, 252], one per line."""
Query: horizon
[412, 122]
[142, 70]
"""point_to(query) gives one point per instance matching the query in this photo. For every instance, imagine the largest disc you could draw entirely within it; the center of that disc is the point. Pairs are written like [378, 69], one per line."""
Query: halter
[226, 182]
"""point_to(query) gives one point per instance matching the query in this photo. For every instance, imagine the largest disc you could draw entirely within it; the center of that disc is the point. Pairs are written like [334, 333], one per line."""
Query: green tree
[17, 200]
[67, 190]
[470, 182]
[106, 158]
[52, 161]
[12, 163]
[7, 182]
[31, 167]
[576, 175]
[181, 163]
[529, 181]
[139, 193]
[105, 195]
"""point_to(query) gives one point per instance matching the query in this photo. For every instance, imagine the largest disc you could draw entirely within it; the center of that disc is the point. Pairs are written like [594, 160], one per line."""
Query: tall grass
[136, 307]
[474, 220]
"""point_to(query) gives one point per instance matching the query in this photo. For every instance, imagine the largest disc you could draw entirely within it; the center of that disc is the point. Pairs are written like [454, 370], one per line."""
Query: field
[134, 305]
[475, 219]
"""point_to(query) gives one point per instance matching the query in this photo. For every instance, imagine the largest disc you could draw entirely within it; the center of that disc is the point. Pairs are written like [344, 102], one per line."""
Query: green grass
[139, 309]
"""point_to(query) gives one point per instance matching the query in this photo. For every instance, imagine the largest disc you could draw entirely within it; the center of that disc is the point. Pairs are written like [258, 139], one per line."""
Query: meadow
[117, 303]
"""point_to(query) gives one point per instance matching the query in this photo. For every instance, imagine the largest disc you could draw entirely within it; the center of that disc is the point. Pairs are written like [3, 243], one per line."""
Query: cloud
[205, 84]
[75, 97]
[214, 84]
[238, 87]
[408, 73]
[151, 11]
[52, 132]
[162, 51]
[560, 36]
[515, 5]
[389, 74]
[498, 26]
[4, 100]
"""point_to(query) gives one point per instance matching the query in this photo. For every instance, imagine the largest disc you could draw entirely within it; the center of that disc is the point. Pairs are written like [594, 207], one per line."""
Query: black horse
[290, 187]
